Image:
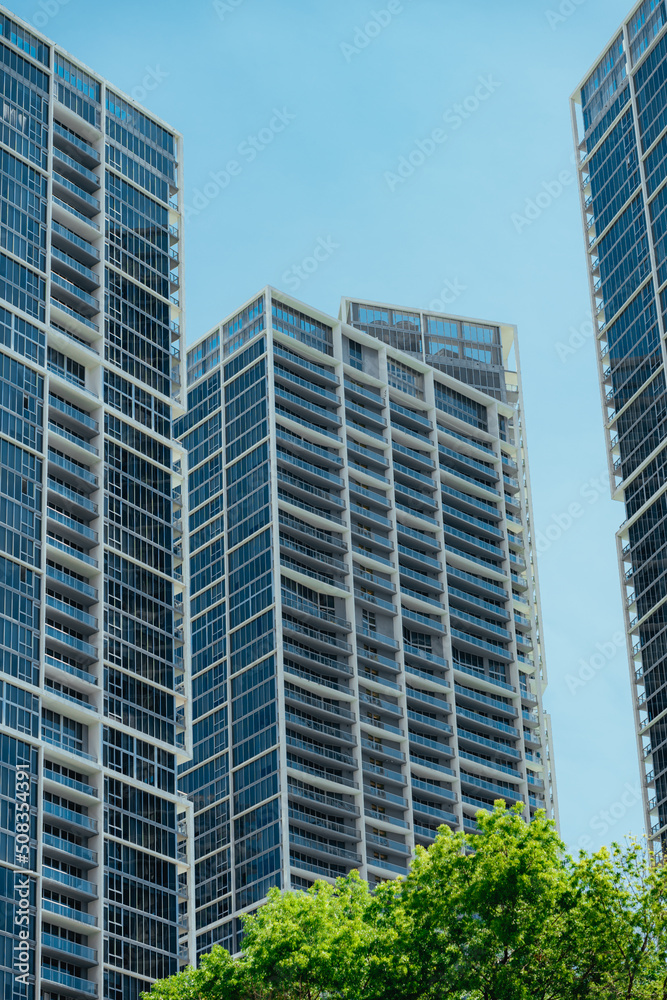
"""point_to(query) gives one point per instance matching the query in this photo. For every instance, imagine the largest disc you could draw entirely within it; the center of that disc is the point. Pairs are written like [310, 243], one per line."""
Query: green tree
[501, 915]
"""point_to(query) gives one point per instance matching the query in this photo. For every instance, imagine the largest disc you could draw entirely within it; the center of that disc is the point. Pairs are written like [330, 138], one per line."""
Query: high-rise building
[366, 650]
[93, 575]
[619, 117]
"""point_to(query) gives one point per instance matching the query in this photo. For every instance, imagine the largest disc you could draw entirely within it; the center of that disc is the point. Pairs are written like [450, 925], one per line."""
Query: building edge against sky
[95, 617]
[620, 132]
[367, 658]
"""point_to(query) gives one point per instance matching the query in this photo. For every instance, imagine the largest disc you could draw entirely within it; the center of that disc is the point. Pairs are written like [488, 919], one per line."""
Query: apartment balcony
[79, 421]
[441, 815]
[364, 393]
[467, 737]
[418, 502]
[427, 622]
[63, 611]
[370, 497]
[64, 850]
[71, 645]
[473, 644]
[377, 638]
[317, 823]
[316, 751]
[65, 139]
[70, 819]
[378, 684]
[383, 867]
[471, 780]
[296, 363]
[438, 747]
[431, 583]
[386, 774]
[306, 533]
[79, 920]
[322, 848]
[78, 887]
[71, 530]
[78, 475]
[372, 540]
[73, 245]
[305, 409]
[314, 613]
[370, 600]
[72, 587]
[333, 781]
[359, 430]
[306, 726]
[59, 947]
[307, 448]
[297, 490]
[475, 603]
[383, 749]
[429, 541]
[448, 456]
[72, 191]
[67, 984]
[311, 473]
[380, 582]
[433, 682]
[325, 684]
[376, 420]
[473, 697]
[486, 723]
[414, 458]
[367, 656]
[70, 269]
[433, 725]
[300, 697]
[321, 799]
[483, 766]
[382, 795]
[82, 449]
[70, 217]
[480, 626]
[422, 698]
[425, 768]
[410, 556]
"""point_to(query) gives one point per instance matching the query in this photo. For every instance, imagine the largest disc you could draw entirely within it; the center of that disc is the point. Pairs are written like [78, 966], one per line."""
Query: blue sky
[314, 103]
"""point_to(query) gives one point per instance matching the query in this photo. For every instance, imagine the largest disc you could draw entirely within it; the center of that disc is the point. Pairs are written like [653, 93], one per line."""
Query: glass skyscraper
[367, 660]
[94, 620]
[619, 116]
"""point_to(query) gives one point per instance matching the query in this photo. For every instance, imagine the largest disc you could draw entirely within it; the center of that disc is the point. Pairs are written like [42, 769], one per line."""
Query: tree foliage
[502, 915]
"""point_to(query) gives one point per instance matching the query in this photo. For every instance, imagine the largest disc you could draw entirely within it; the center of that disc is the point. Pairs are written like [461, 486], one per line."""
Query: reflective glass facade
[365, 615]
[94, 624]
[619, 116]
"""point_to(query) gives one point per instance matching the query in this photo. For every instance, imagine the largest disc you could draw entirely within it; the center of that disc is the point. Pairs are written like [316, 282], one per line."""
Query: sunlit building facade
[619, 117]
[367, 660]
[94, 633]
